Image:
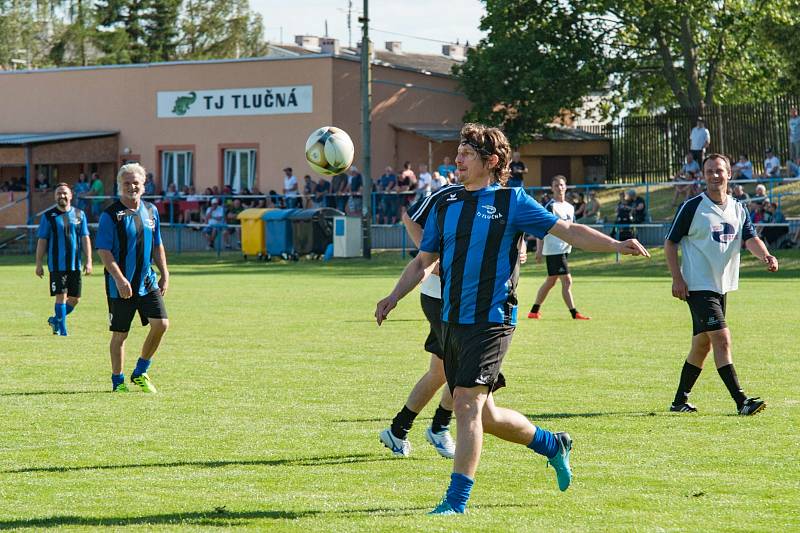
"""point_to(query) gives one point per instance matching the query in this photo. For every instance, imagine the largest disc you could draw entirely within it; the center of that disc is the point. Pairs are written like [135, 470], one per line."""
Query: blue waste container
[278, 231]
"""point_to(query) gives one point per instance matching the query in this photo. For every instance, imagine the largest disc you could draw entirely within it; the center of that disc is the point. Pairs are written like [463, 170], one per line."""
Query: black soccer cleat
[683, 408]
[752, 406]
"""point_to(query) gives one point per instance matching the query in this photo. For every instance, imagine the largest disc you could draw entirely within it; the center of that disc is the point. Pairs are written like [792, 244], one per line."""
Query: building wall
[125, 99]
[428, 100]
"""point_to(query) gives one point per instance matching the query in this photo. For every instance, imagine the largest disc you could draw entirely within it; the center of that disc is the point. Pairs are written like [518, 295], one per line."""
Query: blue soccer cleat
[444, 508]
[560, 461]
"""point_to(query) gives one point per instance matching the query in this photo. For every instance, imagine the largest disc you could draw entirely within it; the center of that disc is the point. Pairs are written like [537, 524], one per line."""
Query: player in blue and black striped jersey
[63, 232]
[475, 233]
[129, 242]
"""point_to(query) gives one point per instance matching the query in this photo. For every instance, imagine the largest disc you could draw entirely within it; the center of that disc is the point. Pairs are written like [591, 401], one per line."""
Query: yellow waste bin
[253, 243]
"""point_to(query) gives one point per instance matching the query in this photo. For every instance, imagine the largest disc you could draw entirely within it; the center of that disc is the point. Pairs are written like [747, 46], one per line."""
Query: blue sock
[61, 318]
[70, 308]
[117, 379]
[458, 491]
[141, 367]
[544, 443]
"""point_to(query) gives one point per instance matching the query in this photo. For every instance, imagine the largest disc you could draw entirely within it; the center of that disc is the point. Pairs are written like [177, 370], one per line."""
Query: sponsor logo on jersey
[452, 197]
[490, 212]
[150, 223]
[723, 233]
[121, 214]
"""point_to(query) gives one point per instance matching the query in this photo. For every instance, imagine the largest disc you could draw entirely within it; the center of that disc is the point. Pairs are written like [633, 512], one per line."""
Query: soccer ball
[329, 151]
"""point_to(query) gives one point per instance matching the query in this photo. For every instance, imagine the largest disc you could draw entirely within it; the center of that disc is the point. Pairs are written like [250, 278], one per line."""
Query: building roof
[432, 132]
[18, 139]
[561, 133]
[425, 63]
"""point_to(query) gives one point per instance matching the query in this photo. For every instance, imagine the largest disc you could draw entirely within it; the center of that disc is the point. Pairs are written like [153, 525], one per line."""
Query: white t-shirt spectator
[438, 182]
[289, 183]
[692, 168]
[711, 236]
[424, 182]
[699, 137]
[772, 166]
[552, 244]
[215, 215]
[745, 168]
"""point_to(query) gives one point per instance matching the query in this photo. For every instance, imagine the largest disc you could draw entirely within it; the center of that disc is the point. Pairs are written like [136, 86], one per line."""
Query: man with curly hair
[475, 233]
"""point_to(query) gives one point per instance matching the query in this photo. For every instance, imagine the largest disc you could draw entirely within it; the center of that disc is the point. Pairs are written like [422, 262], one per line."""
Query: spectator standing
[389, 202]
[446, 167]
[338, 190]
[355, 183]
[291, 189]
[308, 190]
[625, 214]
[406, 182]
[321, 190]
[639, 212]
[97, 189]
[743, 169]
[424, 182]
[699, 140]
[772, 165]
[80, 189]
[794, 134]
[42, 183]
[149, 185]
[234, 224]
[518, 170]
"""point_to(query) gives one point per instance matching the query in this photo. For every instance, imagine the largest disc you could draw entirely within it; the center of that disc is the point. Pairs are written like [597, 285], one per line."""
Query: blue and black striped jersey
[63, 231]
[477, 236]
[131, 237]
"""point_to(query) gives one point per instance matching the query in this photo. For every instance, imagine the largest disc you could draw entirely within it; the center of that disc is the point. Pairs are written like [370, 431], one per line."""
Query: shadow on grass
[549, 416]
[49, 392]
[220, 517]
[300, 461]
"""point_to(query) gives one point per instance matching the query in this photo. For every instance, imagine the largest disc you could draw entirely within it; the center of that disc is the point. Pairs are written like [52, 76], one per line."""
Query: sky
[441, 20]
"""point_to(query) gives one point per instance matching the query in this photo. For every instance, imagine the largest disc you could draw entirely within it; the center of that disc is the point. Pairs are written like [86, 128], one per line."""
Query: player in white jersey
[555, 252]
[710, 229]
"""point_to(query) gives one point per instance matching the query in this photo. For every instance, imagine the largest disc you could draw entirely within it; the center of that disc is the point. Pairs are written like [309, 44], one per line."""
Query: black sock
[573, 312]
[535, 308]
[689, 376]
[441, 419]
[402, 422]
[731, 380]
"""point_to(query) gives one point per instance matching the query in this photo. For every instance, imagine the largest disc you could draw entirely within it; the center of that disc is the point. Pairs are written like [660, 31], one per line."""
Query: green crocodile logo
[182, 103]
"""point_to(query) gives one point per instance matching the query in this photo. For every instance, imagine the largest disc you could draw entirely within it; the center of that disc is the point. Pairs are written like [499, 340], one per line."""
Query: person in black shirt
[518, 170]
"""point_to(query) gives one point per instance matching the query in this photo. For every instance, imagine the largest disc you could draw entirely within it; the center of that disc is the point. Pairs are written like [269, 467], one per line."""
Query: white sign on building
[236, 102]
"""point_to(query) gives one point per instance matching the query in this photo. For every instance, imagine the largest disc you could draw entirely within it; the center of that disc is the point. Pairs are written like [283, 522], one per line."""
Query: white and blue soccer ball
[329, 151]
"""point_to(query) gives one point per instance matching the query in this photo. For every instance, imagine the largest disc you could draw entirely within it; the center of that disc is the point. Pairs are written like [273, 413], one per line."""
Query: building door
[553, 166]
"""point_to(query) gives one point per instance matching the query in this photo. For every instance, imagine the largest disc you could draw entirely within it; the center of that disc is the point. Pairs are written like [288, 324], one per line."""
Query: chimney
[329, 45]
[308, 42]
[454, 51]
[394, 47]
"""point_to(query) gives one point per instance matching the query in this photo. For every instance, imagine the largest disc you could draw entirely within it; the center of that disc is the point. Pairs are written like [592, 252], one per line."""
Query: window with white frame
[240, 169]
[176, 167]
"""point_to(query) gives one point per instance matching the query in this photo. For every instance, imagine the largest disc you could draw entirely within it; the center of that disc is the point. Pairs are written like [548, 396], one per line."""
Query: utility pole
[366, 108]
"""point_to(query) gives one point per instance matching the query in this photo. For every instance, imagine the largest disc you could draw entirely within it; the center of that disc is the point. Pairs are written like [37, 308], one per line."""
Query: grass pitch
[275, 382]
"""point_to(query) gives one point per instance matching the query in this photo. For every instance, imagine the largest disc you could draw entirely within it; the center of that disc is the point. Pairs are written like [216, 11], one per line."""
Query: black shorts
[557, 264]
[121, 310]
[473, 354]
[68, 281]
[708, 311]
[432, 307]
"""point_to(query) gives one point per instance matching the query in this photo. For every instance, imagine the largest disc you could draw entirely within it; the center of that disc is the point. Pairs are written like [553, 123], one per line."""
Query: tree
[221, 29]
[26, 33]
[544, 55]
[162, 31]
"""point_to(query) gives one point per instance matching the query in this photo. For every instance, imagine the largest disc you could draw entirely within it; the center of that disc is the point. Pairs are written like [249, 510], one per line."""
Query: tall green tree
[26, 33]
[215, 29]
[544, 55]
[162, 30]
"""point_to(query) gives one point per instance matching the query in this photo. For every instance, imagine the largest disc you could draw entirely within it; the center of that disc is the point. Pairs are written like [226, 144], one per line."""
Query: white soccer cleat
[399, 447]
[442, 441]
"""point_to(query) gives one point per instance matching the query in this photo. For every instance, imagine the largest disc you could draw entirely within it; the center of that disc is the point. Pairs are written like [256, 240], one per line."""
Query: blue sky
[445, 20]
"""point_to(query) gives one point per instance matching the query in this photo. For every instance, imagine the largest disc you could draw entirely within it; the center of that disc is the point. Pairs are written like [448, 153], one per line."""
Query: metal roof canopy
[432, 132]
[23, 139]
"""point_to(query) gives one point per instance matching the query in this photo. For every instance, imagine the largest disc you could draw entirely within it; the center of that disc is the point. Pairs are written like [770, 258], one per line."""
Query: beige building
[228, 122]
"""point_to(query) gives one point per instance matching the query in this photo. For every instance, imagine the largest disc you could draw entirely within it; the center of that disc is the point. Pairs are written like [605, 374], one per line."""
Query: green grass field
[275, 382]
